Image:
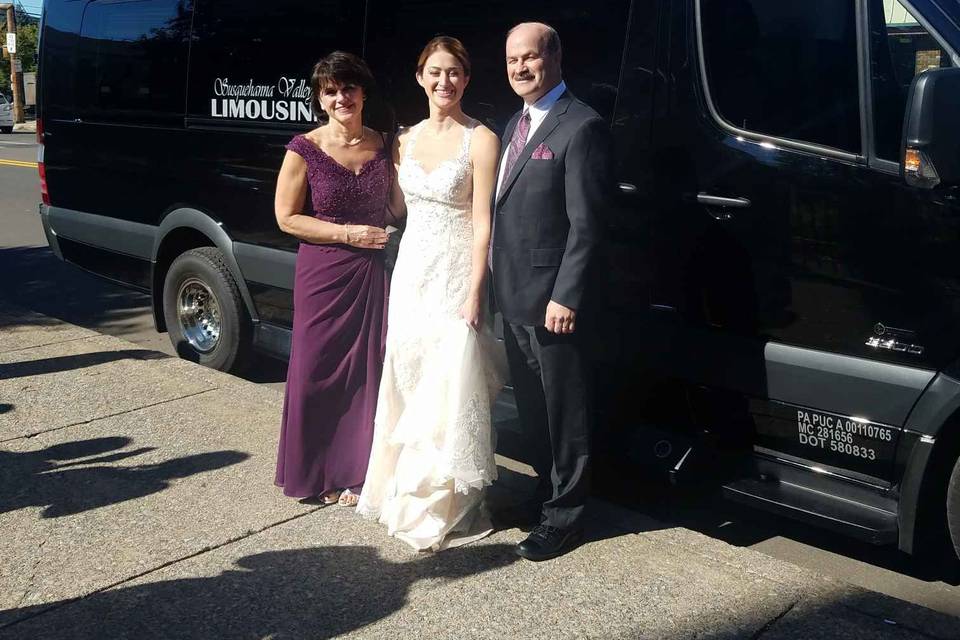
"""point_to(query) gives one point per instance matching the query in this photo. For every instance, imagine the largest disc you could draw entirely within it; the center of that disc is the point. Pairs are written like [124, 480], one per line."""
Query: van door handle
[627, 188]
[720, 201]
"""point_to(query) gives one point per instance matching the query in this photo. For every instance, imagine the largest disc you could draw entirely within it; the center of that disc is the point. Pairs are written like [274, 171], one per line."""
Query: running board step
[862, 521]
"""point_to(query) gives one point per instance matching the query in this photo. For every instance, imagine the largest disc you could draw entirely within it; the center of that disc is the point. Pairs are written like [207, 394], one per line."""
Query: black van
[783, 293]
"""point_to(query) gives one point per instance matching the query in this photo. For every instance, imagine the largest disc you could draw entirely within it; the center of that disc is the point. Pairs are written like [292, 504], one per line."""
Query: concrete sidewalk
[136, 500]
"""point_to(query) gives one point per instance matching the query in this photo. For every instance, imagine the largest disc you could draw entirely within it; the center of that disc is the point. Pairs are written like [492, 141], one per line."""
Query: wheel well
[931, 527]
[174, 243]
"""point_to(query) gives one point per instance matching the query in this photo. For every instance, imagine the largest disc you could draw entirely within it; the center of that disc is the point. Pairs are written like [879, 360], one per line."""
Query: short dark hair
[338, 68]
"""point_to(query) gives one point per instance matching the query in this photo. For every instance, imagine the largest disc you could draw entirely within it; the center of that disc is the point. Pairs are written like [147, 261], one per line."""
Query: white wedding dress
[433, 444]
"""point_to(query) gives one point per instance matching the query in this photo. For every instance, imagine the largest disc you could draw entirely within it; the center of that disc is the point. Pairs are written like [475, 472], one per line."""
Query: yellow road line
[18, 163]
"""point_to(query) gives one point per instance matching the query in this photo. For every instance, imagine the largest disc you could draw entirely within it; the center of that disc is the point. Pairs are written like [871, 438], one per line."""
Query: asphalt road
[35, 279]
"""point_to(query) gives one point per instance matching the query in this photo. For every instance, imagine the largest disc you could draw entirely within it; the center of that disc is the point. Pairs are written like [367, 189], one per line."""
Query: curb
[30, 126]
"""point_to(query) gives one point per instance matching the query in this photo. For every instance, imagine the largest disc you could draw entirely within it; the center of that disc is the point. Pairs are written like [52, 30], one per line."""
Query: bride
[433, 443]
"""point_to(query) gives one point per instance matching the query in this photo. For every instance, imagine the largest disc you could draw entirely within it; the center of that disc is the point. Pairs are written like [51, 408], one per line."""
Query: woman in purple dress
[340, 289]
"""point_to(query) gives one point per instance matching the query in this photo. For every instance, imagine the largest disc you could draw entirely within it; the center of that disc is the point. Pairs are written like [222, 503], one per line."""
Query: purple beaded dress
[339, 329]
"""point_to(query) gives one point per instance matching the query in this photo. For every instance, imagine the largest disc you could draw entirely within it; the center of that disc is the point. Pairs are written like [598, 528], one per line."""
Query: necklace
[348, 143]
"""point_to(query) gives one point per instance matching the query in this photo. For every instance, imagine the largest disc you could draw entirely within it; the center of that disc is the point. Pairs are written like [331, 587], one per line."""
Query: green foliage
[27, 37]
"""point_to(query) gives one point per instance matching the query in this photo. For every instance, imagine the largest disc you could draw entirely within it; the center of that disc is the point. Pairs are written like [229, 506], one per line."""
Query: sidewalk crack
[112, 415]
[189, 556]
[33, 574]
[47, 344]
[762, 630]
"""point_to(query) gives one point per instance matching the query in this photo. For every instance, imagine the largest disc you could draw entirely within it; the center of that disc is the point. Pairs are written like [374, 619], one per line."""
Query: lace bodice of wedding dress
[437, 242]
[433, 448]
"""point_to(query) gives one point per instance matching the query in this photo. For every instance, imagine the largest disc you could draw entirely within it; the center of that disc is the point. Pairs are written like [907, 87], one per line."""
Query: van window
[251, 60]
[785, 69]
[132, 60]
[900, 48]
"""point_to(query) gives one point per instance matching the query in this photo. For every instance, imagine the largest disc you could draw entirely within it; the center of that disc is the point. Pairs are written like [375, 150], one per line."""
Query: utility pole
[14, 72]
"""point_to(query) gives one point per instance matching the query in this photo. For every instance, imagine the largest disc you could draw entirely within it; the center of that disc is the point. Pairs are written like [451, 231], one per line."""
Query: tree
[27, 37]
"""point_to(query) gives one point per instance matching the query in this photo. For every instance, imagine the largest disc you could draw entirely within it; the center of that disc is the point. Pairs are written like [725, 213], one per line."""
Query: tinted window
[592, 35]
[785, 69]
[900, 48]
[251, 60]
[132, 60]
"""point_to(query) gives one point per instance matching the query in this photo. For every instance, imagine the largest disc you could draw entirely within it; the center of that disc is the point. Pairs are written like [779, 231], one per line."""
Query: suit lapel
[546, 128]
[507, 135]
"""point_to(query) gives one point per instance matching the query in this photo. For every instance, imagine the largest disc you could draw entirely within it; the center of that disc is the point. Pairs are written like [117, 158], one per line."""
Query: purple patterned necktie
[517, 143]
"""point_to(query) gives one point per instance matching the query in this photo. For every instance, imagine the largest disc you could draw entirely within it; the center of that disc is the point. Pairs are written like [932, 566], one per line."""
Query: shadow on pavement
[43, 283]
[79, 361]
[327, 592]
[852, 615]
[35, 479]
[302, 593]
[701, 509]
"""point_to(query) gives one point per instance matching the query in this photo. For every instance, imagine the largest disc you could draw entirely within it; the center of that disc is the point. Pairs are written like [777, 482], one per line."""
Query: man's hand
[559, 319]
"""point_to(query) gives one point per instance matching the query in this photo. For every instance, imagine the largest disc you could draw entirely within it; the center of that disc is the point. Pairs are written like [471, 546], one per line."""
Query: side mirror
[931, 137]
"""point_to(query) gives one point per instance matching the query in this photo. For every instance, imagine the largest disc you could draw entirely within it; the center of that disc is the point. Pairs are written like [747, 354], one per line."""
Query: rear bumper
[48, 231]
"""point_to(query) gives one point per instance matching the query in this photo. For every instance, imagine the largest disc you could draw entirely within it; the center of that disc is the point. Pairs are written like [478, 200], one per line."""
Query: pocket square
[542, 152]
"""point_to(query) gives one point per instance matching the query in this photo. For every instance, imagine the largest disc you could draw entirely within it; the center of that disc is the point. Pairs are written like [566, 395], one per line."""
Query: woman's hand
[472, 312]
[364, 237]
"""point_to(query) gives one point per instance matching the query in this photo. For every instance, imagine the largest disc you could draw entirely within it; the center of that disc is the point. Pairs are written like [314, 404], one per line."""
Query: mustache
[523, 76]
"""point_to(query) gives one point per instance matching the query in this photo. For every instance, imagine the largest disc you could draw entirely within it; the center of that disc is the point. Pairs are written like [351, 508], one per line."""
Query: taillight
[44, 192]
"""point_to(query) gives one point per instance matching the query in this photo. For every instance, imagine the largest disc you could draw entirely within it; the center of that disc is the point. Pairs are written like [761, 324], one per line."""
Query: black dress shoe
[546, 542]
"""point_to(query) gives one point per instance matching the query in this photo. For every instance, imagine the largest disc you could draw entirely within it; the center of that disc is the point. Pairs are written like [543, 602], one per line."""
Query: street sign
[11, 43]
[17, 65]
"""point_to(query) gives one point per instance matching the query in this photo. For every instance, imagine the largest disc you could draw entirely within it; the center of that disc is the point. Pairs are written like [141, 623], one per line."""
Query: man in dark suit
[551, 189]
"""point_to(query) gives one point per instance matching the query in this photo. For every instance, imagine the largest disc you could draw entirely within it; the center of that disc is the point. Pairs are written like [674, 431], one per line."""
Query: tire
[953, 507]
[6, 129]
[211, 326]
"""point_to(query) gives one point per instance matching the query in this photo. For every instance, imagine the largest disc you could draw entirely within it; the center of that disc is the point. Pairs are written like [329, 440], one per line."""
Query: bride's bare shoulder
[485, 142]
[481, 132]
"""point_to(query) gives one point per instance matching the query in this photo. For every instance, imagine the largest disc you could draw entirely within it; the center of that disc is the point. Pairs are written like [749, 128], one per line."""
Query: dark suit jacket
[547, 216]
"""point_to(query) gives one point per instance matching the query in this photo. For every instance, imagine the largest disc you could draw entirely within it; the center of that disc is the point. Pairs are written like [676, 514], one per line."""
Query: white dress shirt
[538, 111]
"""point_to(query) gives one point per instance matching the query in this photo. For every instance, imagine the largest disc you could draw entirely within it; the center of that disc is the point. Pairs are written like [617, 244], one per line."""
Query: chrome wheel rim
[198, 312]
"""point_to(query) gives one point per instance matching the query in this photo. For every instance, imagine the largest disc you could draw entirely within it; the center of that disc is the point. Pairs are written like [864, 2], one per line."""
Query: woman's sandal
[330, 497]
[348, 499]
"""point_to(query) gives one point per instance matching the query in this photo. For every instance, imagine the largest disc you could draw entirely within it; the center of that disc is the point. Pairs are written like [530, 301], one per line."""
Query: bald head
[533, 60]
[548, 35]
